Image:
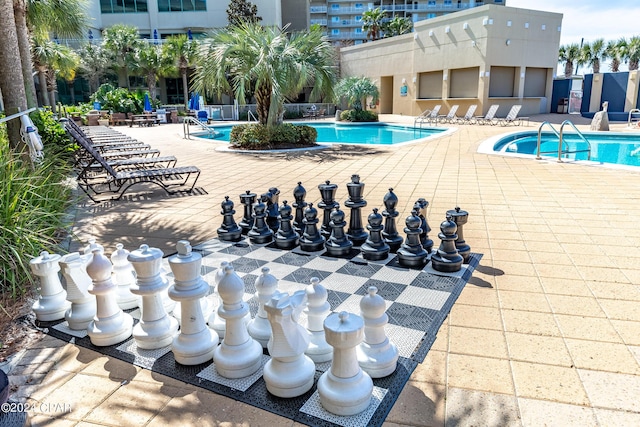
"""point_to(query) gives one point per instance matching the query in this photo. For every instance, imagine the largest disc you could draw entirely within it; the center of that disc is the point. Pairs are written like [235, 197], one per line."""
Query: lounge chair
[450, 116]
[488, 119]
[512, 118]
[428, 116]
[468, 117]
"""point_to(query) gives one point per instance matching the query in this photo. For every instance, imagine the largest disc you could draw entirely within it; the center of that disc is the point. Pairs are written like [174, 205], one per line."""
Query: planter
[103, 122]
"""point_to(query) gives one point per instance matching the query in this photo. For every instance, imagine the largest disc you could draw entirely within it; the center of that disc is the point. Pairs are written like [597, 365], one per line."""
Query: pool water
[377, 134]
[612, 148]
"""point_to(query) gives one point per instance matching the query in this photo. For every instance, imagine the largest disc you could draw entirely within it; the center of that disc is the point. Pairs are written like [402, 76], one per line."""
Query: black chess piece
[328, 203]
[447, 259]
[286, 237]
[260, 232]
[355, 202]
[374, 248]
[271, 199]
[427, 243]
[338, 244]
[311, 240]
[299, 193]
[247, 200]
[229, 230]
[461, 217]
[390, 232]
[411, 254]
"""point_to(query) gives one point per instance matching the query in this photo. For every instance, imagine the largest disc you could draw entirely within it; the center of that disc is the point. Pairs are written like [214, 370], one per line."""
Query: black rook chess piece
[328, 203]
[338, 244]
[286, 237]
[447, 259]
[229, 230]
[411, 253]
[311, 239]
[260, 233]
[355, 202]
[427, 243]
[461, 217]
[247, 200]
[374, 248]
[299, 193]
[390, 233]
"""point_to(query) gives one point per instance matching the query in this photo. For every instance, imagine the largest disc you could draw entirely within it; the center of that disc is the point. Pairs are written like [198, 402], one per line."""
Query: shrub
[254, 136]
[53, 135]
[118, 100]
[291, 115]
[358, 116]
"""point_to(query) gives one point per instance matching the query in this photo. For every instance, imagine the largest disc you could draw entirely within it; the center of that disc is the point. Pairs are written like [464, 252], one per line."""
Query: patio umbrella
[147, 103]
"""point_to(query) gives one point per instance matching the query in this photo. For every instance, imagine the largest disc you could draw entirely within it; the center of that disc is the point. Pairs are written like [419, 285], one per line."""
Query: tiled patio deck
[547, 332]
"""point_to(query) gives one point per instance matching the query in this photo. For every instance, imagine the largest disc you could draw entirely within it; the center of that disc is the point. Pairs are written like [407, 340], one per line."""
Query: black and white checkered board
[418, 301]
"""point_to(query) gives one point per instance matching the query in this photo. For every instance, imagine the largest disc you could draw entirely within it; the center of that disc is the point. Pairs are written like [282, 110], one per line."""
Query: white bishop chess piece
[83, 304]
[124, 277]
[52, 302]
[317, 310]
[259, 327]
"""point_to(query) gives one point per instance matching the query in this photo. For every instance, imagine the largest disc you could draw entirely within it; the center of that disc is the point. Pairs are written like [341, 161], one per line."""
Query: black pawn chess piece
[286, 237]
[328, 203]
[374, 248]
[299, 193]
[427, 243]
[355, 202]
[461, 217]
[338, 244]
[271, 201]
[311, 240]
[260, 232]
[229, 230]
[447, 259]
[247, 200]
[390, 232]
[411, 253]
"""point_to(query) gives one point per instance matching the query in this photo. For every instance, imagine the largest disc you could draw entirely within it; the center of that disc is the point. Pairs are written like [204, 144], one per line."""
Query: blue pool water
[606, 147]
[378, 133]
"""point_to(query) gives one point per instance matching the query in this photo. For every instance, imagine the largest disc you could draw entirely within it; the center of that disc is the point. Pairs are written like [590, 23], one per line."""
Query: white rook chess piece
[124, 278]
[317, 310]
[52, 303]
[376, 355]
[239, 355]
[196, 342]
[83, 304]
[156, 328]
[289, 373]
[345, 389]
[111, 325]
[260, 328]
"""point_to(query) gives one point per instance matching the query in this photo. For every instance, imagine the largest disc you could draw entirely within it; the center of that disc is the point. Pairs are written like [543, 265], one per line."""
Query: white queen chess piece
[259, 327]
[52, 303]
[83, 304]
[317, 310]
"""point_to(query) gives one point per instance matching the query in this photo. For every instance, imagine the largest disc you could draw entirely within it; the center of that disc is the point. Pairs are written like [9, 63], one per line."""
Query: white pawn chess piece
[52, 303]
[260, 328]
[317, 310]
[239, 355]
[345, 389]
[111, 325]
[83, 304]
[196, 342]
[124, 277]
[376, 355]
[156, 328]
[216, 322]
[289, 373]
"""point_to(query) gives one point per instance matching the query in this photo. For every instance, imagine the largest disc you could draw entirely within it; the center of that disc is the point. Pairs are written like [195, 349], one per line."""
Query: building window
[335, 6]
[358, 18]
[358, 30]
[447, 3]
[431, 15]
[123, 6]
[181, 5]
[358, 6]
[431, 3]
[335, 19]
[335, 32]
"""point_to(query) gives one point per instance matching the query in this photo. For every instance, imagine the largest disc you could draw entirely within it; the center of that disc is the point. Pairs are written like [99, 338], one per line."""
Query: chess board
[417, 302]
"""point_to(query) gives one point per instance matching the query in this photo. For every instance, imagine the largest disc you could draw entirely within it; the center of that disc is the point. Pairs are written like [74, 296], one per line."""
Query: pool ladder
[192, 120]
[561, 144]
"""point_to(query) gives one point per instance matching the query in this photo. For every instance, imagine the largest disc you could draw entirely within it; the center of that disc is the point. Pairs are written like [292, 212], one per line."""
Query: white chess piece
[196, 342]
[317, 310]
[376, 355]
[216, 322]
[259, 327]
[83, 304]
[124, 277]
[156, 328]
[52, 302]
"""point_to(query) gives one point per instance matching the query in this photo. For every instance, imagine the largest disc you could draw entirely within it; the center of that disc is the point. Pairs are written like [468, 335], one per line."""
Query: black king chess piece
[247, 200]
[461, 217]
[328, 203]
[299, 193]
[286, 237]
[260, 232]
[229, 230]
[311, 240]
[411, 254]
[390, 232]
[338, 244]
[374, 248]
[447, 259]
[355, 202]
[427, 243]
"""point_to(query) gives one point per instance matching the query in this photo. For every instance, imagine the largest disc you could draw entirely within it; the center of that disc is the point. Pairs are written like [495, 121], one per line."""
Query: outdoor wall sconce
[559, 28]
[447, 29]
[522, 75]
[444, 77]
[508, 42]
[544, 27]
[487, 21]
[415, 79]
[473, 43]
[465, 26]
[430, 33]
[404, 81]
[415, 36]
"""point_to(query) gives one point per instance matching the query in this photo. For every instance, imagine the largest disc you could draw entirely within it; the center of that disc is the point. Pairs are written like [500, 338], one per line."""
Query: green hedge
[254, 136]
[358, 116]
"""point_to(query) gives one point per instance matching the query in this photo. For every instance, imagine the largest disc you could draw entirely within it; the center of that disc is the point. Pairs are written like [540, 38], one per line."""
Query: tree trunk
[263, 102]
[151, 84]
[185, 89]
[568, 69]
[615, 65]
[123, 78]
[24, 45]
[42, 81]
[72, 92]
[633, 65]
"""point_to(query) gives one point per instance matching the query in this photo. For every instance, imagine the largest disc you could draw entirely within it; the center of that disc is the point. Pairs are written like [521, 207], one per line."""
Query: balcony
[318, 9]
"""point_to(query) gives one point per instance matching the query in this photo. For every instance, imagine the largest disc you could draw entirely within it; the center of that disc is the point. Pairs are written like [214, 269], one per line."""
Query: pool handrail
[633, 120]
[188, 120]
[538, 152]
[560, 136]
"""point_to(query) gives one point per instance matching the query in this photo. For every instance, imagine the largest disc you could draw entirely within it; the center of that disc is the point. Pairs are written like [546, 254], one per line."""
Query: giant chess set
[320, 324]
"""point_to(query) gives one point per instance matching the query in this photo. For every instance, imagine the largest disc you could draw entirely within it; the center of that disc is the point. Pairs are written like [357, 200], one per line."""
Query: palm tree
[49, 58]
[615, 51]
[373, 22]
[182, 52]
[151, 64]
[121, 43]
[398, 26]
[65, 66]
[569, 54]
[93, 65]
[356, 90]
[592, 53]
[277, 63]
[633, 52]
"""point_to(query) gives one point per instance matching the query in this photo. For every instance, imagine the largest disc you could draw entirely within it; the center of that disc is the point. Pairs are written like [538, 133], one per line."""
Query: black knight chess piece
[411, 253]
[390, 233]
[447, 259]
[286, 237]
[229, 230]
[338, 244]
[260, 232]
[271, 199]
[461, 217]
[311, 240]
[299, 193]
[355, 202]
[328, 203]
[427, 243]
[247, 200]
[374, 248]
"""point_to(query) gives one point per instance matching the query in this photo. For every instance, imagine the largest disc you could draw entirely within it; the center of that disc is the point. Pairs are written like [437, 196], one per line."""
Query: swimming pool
[606, 147]
[355, 133]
